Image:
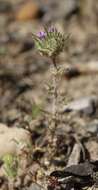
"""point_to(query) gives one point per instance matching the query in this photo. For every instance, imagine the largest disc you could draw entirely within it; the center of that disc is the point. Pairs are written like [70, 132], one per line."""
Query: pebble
[58, 9]
[34, 186]
[85, 105]
[5, 6]
[92, 127]
[28, 10]
[8, 137]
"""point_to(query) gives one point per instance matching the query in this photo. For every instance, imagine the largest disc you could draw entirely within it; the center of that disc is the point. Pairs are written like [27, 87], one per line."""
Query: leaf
[36, 110]
[10, 165]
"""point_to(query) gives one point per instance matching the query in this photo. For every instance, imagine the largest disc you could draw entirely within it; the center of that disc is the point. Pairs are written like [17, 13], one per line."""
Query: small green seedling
[10, 165]
[36, 111]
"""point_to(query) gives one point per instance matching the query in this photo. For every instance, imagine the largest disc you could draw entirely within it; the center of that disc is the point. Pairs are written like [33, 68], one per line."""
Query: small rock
[8, 137]
[75, 155]
[92, 127]
[85, 105]
[92, 148]
[58, 9]
[34, 186]
[29, 10]
[5, 6]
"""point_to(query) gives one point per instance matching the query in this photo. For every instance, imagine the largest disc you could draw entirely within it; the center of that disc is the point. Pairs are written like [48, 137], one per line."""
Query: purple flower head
[50, 41]
[52, 29]
[41, 34]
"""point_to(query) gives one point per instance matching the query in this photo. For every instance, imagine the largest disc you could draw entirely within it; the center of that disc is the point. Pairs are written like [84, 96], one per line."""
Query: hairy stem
[54, 71]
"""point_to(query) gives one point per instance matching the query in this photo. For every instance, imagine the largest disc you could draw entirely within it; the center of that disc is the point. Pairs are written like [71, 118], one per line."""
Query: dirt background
[24, 73]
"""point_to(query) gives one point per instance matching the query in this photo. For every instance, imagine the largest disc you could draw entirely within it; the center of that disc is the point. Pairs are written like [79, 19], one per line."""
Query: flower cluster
[50, 42]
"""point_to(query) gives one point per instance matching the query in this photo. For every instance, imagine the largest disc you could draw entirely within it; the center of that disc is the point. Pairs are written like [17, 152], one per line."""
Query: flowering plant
[50, 42]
